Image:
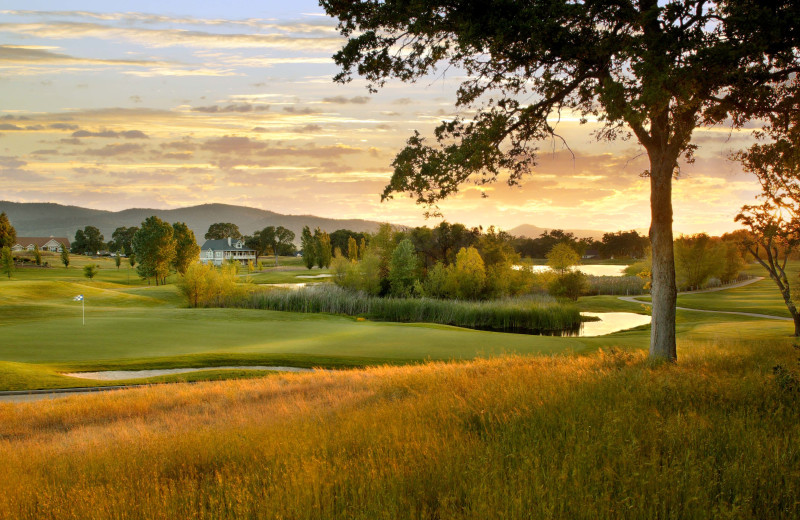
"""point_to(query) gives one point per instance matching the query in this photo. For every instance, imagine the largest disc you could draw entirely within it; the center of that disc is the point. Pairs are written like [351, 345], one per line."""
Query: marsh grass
[534, 313]
[599, 436]
[616, 285]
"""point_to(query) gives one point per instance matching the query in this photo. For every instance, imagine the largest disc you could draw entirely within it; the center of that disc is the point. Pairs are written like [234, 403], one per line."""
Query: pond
[611, 322]
[592, 269]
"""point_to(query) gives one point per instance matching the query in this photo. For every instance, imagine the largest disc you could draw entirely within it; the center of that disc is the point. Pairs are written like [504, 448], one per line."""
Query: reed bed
[534, 313]
[599, 436]
[616, 285]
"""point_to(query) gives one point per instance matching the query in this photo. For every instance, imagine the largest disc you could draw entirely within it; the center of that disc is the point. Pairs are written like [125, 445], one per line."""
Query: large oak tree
[653, 70]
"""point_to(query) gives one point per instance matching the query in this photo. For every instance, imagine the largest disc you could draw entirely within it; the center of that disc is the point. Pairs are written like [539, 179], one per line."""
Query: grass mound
[534, 313]
[600, 436]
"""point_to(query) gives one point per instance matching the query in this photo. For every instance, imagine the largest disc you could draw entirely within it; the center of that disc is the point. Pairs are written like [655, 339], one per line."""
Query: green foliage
[403, 269]
[65, 255]
[309, 248]
[352, 249]
[616, 285]
[89, 240]
[37, 255]
[698, 258]
[8, 235]
[154, 248]
[121, 239]
[132, 259]
[569, 284]
[624, 244]
[521, 314]
[562, 257]
[468, 276]
[187, 251]
[90, 270]
[436, 284]
[118, 258]
[322, 246]
[220, 230]
[7, 261]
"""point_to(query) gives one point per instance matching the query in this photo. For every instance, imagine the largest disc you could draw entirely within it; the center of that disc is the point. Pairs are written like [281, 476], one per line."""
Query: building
[219, 251]
[52, 244]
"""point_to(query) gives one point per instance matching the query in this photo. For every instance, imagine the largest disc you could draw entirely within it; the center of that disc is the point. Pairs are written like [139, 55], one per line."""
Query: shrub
[571, 284]
[90, 270]
[204, 285]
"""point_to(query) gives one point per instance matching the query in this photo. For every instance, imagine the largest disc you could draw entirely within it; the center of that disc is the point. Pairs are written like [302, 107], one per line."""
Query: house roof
[222, 245]
[40, 241]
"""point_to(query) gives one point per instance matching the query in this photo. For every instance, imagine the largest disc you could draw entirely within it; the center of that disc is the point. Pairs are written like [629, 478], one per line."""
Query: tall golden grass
[600, 436]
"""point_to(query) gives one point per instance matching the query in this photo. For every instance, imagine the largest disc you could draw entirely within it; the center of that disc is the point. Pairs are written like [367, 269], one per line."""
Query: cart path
[633, 299]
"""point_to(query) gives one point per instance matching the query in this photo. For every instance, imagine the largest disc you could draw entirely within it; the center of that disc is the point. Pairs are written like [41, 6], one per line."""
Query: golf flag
[78, 298]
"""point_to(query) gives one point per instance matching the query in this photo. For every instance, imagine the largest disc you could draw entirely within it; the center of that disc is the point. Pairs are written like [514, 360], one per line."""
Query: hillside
[531, 231]
[45, 219]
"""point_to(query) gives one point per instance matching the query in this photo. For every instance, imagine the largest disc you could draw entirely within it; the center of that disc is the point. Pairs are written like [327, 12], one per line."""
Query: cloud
[44, 152]
[20, 54]
[173, 37]
[127, 134]
[341, 100]
[237, 107]
[402, 101]
[305, 111]
[111, 150]
[185, 145]
[63, 126]
[7, 161]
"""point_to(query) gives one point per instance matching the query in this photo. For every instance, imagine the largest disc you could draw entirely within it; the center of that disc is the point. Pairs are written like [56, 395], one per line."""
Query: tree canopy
[645, 69]
[88, 240]
[154, 248]
[222, 230]
[8, 235]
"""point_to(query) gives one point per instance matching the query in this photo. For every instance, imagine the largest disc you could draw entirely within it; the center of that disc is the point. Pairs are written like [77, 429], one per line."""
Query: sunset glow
[165, 105]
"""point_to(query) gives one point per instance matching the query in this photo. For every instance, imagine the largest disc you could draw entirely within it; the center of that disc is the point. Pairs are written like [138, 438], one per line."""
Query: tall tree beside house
[309, 248]
[154, 248]
[282, 240]
[649, 69]
[8, 235]
[7, 261]
[37, 255]
[65, 255]
[88, 240]
[186, 249]
[121, 239]
[221, 230]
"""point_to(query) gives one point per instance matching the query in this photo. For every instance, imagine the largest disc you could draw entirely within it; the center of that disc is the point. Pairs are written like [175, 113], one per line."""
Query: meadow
[430, 421]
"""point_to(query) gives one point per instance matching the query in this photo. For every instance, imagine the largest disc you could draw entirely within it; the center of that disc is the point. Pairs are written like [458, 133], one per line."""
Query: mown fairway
[130, 325]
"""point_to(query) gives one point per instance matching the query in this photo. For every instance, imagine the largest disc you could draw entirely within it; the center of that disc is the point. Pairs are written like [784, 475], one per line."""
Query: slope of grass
[598, 436]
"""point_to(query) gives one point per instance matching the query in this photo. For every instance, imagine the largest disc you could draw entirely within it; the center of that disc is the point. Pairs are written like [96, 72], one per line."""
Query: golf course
[407, 420]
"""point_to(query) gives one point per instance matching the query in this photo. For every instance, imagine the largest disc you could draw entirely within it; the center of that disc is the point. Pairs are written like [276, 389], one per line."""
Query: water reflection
[611, 322]
[592, 270]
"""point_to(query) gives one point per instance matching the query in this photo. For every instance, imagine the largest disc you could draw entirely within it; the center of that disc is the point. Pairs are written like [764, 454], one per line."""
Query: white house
[52, 244]
[219, 251]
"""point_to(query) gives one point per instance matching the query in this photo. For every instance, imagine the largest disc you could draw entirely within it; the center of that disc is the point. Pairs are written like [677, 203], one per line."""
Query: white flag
[78, 298]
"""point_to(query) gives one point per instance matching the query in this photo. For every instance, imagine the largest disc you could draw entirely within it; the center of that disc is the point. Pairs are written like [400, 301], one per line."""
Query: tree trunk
[664, 292]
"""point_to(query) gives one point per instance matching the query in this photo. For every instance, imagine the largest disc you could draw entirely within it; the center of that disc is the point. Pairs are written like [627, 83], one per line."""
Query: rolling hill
[46, 219]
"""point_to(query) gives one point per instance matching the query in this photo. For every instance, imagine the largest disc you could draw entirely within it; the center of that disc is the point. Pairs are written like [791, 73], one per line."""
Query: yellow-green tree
[7, 261]
[562, 257]
[468, 276]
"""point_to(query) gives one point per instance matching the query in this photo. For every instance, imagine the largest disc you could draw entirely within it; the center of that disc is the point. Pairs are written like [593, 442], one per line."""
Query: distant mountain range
[46, 219]
[531, 231]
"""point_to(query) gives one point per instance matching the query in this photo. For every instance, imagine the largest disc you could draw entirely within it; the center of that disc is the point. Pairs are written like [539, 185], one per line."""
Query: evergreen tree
[308, 244]
[322, 245]
[65, 255]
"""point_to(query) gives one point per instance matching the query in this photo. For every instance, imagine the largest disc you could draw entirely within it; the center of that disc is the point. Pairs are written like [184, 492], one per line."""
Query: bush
[204, 285]
[571, 284]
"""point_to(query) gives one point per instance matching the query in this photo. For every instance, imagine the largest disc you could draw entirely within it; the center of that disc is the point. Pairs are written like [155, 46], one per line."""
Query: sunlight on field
[590, 436]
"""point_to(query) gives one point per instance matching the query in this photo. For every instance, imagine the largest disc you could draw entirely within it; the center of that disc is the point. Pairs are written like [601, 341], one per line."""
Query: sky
[113, 105]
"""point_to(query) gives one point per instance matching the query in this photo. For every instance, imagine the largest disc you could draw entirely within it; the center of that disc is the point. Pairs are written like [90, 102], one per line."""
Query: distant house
[219, 251]
[52, 244]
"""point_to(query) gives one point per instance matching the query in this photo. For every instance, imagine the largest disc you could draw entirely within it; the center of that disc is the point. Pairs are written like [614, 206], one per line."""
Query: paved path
[632, 299]
[21, 396]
